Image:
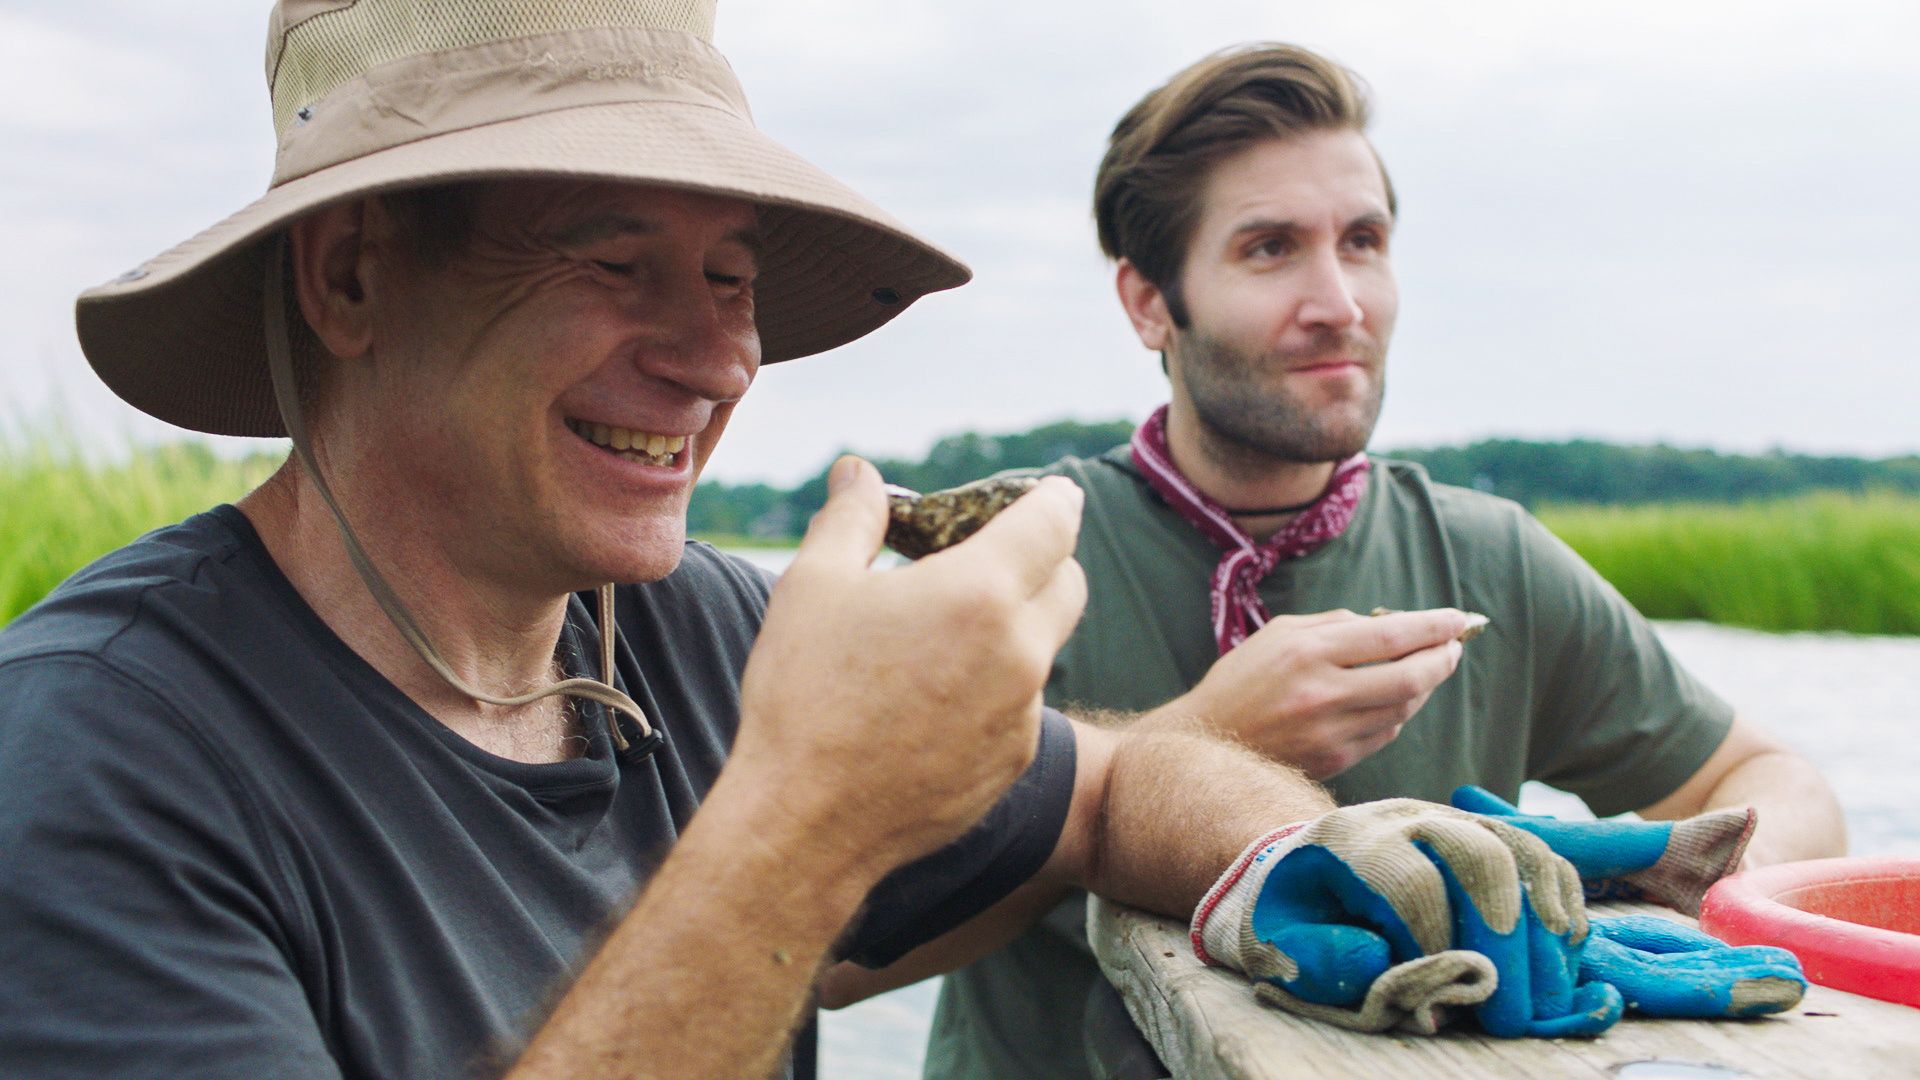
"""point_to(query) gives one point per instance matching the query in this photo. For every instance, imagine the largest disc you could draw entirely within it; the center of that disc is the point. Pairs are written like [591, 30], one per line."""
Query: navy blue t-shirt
[230, 848]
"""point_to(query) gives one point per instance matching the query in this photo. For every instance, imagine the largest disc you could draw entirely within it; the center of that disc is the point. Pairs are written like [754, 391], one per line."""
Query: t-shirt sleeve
[141, 938]
[1617, 720]
[928, 897]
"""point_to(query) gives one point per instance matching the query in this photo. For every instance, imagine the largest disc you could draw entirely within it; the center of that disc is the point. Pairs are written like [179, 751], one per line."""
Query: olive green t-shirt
[1567, 685]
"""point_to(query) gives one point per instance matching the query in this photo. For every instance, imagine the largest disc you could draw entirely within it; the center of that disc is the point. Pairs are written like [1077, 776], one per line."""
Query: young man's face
[553, 390]
[1291, 299]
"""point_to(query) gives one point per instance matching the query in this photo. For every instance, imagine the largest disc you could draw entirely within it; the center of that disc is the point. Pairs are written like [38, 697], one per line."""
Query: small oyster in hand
[919, 525]
[1476, 622]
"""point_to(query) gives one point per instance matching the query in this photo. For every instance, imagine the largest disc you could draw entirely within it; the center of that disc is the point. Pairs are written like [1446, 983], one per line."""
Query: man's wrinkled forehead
[606, 225]
[576, 214]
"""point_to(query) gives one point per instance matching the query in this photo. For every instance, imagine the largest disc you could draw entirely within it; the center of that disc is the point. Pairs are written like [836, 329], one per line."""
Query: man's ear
[330, 277]
[1146, 307]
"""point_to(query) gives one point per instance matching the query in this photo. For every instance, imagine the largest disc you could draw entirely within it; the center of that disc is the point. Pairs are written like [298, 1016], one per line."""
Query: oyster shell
[1476, 622]
[919, 525]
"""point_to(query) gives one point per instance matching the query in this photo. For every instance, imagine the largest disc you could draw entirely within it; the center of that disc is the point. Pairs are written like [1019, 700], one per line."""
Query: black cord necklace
[1270, 510]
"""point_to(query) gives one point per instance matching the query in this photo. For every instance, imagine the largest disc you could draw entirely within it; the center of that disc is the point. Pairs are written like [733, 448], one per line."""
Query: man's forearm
[1159, 810]
[1799, 818]
[708, 974]
[1178, 805]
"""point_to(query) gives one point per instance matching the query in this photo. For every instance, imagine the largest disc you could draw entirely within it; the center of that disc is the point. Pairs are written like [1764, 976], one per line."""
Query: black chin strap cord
[285, 395]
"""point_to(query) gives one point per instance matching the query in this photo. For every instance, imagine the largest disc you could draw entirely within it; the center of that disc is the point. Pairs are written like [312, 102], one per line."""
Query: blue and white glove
[1397, 914]
[1663, 968]
[1659, 966]
[1666, 862]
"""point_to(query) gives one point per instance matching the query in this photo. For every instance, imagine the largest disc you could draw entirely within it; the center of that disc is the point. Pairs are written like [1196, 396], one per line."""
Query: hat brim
[182, 338]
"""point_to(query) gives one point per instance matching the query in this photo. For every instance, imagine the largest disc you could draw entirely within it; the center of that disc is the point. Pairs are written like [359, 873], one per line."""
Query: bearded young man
[443, 754]
[1251, 222]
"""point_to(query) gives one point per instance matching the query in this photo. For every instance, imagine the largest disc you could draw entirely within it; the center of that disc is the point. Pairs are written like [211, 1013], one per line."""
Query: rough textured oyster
[1476, 622]
[920, 525]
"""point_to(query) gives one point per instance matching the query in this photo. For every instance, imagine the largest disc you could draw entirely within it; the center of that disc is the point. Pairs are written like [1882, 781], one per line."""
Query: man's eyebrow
[751, 238]
[603, 227]
[600, 227]
[1265, 225]
[1371, 219]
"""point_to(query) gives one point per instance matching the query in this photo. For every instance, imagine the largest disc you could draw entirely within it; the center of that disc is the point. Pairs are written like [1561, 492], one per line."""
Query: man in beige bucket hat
[352, 778]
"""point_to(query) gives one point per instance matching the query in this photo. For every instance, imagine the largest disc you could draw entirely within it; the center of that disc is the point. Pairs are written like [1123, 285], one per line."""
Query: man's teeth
[630, 441]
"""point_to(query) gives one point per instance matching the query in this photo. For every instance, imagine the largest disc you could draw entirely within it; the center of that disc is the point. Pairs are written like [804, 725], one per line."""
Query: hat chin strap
[280, 365]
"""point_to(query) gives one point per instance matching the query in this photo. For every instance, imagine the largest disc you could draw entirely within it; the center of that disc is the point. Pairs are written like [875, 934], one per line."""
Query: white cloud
[54, 79]
[1649, 218]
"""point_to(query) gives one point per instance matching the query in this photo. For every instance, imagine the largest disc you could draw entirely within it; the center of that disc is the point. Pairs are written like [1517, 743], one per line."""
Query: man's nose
[695, 342]
[1328, 298]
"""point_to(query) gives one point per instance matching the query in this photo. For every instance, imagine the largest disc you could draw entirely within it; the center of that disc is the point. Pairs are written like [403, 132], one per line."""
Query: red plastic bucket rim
[1845, 955]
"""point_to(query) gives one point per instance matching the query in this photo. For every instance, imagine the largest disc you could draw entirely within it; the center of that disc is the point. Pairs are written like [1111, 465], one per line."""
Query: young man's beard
[1226, 387]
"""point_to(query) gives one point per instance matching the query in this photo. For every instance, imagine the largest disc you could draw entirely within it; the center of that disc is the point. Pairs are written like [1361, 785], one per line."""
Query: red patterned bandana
[1237, 610]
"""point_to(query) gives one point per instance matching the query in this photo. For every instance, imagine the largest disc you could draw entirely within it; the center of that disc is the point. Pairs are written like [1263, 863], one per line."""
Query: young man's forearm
[1799, 818]
[709, 974]
[1798, 815]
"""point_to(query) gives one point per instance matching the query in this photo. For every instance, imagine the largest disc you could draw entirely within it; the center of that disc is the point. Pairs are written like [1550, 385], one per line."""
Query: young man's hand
[1321, 692]
[894, 707]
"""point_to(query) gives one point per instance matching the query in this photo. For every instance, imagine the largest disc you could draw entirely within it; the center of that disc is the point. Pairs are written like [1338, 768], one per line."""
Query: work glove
[1666, 862]
[1400, 913]
[1660, 967]
[1663, 968]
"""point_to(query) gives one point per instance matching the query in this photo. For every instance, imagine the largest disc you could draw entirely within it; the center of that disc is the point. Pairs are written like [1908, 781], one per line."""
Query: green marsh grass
[1824, 561]
[1814, 562]
[61, 509]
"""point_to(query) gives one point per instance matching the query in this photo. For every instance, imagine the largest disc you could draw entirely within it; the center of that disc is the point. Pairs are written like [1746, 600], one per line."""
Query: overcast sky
[1686, 220]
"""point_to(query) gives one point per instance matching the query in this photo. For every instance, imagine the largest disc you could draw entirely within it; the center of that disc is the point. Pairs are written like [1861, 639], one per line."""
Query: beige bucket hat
[378, 95]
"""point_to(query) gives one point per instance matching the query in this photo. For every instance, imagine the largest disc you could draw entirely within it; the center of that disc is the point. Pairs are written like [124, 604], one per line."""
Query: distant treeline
[1597, 473]
[1531, 473]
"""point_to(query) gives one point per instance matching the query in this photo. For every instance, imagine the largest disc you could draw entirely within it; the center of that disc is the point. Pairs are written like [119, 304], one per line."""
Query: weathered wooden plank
[1205, 1024]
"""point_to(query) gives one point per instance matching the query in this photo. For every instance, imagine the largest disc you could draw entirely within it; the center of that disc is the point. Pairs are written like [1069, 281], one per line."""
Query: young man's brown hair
[1146, 195]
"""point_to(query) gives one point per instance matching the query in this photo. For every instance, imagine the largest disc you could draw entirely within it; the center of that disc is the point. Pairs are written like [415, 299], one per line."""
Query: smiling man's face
[545, 396]
[1291, 299]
